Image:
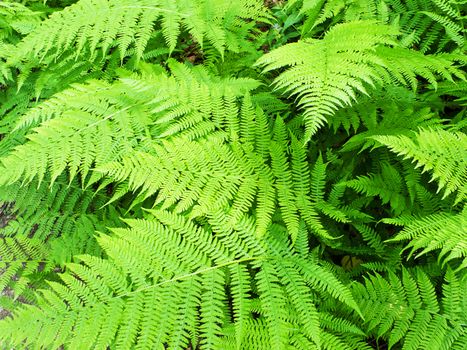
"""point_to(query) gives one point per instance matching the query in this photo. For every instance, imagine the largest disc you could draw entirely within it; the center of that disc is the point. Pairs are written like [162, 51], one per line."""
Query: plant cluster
[218, 174]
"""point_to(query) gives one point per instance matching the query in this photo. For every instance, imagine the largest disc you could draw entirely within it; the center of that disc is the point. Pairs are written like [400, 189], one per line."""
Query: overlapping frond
[98, 25]
[161, 192]
[207, 174]
[96, 123]
[439, 151]
[444, 231]
[327, 74]
[122, 294]
[394, 112]
[432, 25]
[16, 21]
[426, 25]
[20, 258]
[398, 307]
[387, 185]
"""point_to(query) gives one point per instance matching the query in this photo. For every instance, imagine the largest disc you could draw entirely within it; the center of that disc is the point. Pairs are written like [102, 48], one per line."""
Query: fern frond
[302, 300]
[427, 25]
[325, 75]
[20, 258]
[241, 292]
[92, 25]
[196, 181]
[283, 176]
[394, 112]
[444, 231]
[441, 152]
[96, 123]
[158, 191]
[431, 25]
[59, 219]
[17, 20]
[122, 294]
[396, 309]
[273, 305]
[387, 186]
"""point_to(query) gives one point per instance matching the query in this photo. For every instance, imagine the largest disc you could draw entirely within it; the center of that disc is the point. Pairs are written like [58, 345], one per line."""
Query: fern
[431, 25]
[443, 231]
[393, 113]
[93, 25]
[21, 258]
[97, 124]
[386, 185]
[240, 180]
[327, 74]
[100, 287]
[17, 21]
[449, 168]
[232, 175]
[398, 307]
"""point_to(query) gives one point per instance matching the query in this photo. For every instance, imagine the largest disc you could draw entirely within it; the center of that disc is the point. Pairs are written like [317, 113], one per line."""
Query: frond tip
[92, 25]
[442, 152]
[444, 231]
[325, 75]
[405, 311]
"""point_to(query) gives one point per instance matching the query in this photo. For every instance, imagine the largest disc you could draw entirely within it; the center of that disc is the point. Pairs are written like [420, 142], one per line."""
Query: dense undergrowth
[217, 174]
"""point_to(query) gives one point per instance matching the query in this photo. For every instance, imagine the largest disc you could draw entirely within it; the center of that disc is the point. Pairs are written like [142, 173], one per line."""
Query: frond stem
[198, 272]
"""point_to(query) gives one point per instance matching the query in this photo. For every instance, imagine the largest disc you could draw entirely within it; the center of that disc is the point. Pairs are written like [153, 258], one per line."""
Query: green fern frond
[92, 25]
[273, 305]
[16, 21]
[158, 191]
[325, 75]
[406, 65]
[444, 231]
[454, 30]
[193, 177]
[63, 217]
[387, 186]
[322, 13]
[440, 151]
[283, 176]
[21, 257]
[56, 142]
[220, 174]
[431, 25]
[122, 294]
[241, 293]
[394, 112]
[96, 123]
[396, 308]
[427, 25]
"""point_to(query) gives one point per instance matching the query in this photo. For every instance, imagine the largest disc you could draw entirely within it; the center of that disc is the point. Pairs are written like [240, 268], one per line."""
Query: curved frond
[328, 74]
[398, 307]
[442, 152]
[91, 25]
[444, 231]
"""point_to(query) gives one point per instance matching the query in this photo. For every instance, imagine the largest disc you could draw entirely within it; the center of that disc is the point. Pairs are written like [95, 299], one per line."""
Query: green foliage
[21, 257]
[192, 263]
[233, 174]
[441, 151]
[327, 74]
[98, 25]
[444, 230]
[428, 25]
[405, 309]
[16, 21]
